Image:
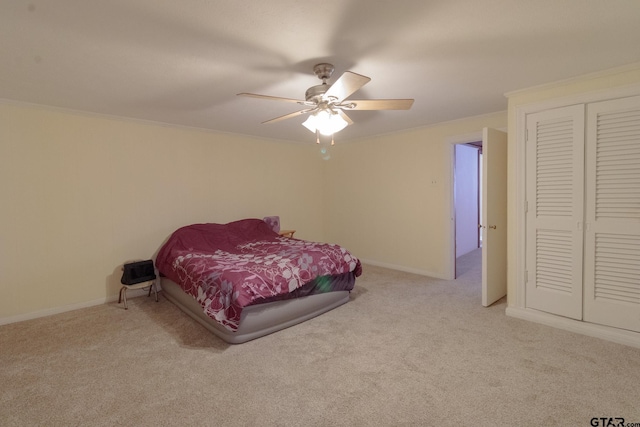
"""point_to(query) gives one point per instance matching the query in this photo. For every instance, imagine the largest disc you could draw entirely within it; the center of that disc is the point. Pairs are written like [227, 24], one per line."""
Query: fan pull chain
[318, 138]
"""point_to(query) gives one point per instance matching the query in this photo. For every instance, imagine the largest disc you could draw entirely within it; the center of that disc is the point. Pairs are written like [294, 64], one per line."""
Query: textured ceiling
[183, 62]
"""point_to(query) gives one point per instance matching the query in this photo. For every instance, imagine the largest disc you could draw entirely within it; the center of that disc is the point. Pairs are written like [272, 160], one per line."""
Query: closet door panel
[612, 236]
[555, 200]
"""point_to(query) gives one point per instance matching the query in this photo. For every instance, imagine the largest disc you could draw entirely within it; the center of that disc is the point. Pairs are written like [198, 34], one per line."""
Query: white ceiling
[183, 62]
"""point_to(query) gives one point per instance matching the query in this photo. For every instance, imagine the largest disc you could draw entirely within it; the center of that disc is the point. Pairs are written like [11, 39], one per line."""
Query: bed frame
[257, 320]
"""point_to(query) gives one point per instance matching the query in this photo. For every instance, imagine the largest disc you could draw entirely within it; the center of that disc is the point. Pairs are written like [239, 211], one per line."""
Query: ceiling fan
[326, 104]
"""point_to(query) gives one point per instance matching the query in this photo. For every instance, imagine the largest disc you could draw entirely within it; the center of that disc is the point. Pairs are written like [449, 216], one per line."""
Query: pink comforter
[229, 266]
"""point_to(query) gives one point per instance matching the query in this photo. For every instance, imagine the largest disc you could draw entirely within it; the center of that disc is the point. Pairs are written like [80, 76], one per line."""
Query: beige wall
[80, 195]
[83, 194]
[75, 203]
[556, 94]
[389, 197]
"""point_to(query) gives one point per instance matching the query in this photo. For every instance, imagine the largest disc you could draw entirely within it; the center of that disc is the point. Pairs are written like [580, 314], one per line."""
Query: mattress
[257, 320]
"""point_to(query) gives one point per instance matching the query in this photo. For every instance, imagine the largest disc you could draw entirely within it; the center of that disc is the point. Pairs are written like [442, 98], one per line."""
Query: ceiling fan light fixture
[326, 122]
[326, 104]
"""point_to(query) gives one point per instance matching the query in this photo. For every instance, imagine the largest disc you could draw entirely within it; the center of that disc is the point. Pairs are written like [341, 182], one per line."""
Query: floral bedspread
[229, 266]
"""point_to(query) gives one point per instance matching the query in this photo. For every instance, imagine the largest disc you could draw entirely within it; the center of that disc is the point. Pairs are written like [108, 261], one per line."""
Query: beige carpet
[406, 350]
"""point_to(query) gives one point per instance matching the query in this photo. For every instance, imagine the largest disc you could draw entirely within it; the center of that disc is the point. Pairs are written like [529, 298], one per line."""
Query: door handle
[492, 226]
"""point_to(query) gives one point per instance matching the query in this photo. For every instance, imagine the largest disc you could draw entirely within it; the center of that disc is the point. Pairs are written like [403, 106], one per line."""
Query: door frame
[460, 205]
[453, 141]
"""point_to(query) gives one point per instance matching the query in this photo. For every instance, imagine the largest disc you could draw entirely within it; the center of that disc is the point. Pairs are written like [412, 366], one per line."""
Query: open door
[494, 215]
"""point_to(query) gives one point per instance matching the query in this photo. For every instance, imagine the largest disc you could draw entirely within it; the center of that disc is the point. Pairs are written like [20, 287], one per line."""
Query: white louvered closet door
[612, 216]
[555, 208]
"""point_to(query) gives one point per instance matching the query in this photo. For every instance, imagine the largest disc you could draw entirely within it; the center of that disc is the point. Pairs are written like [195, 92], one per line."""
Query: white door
[612, 231]
[555, 206]
[494, 215]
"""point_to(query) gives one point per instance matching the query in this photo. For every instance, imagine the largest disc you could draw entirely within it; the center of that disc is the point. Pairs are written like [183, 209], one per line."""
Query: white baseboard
[619, 336]
[63, 309]
[403, 268]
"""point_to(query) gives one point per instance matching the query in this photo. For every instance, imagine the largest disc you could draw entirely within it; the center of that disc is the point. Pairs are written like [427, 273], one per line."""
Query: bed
[242, 280]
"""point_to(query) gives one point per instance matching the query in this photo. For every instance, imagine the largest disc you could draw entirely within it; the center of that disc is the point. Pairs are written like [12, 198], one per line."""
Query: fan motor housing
[316, 93]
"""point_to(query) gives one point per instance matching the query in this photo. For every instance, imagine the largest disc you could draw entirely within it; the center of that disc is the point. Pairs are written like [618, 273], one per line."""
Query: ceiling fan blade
[289, 116]
[347, 84]
[378, 104]
[273, 98]
[345, 117]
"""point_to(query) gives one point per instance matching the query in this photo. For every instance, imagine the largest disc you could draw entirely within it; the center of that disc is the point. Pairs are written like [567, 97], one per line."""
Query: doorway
[467, 201]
